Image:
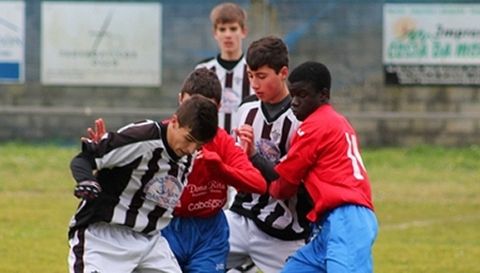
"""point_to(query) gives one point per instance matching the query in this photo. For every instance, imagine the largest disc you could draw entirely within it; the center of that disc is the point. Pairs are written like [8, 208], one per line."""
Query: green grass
[36, 204]
[427, 201]
[428, 205]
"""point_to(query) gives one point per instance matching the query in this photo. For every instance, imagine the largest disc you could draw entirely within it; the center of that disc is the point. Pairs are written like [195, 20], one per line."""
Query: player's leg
[210, 254]
[181, 236]
[103, 248]
[355, 240]
[309, 258]
[344, 244]
[269, 253]
[238, 239]
[157, 257]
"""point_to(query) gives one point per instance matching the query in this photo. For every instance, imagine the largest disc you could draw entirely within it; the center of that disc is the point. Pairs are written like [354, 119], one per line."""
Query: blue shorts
[343, 243]
[199, 244]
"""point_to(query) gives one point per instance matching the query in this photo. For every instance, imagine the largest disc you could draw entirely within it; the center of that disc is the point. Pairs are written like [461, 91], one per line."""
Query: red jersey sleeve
[300, 158]
[236, 169]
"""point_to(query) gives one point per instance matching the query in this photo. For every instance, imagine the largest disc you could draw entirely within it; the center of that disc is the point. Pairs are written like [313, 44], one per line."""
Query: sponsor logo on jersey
[268, 149]
[207, 204]
[300, 132]
[212, 186]
[164, 191]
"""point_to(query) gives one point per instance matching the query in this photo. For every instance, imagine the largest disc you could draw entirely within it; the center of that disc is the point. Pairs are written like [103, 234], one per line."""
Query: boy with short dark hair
[140, 173]
[262, 228]
[325, 157]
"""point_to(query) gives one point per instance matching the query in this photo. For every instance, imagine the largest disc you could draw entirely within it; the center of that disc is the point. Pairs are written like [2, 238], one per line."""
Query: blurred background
[404, 72]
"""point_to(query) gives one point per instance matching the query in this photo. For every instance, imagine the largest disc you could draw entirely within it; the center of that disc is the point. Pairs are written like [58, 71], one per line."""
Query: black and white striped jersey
[141, 177]
[235, 87]
[283, 219]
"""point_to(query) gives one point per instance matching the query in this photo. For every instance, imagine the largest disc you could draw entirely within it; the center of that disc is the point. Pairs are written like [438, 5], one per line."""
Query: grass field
[427, 200]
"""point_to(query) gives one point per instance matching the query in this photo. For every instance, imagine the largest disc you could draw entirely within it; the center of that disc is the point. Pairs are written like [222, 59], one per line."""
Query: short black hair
[203, 81]
[314, 73]
[200, 115]
[270, 51]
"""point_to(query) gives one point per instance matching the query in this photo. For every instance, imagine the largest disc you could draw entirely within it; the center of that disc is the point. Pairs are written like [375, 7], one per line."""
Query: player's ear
[174, 121]
[182, 97]
[244, 32]
[283, 72]
[325, 95]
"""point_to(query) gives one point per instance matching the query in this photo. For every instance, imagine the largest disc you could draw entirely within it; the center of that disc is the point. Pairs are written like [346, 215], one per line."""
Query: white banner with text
[431, 43]
[108, 44]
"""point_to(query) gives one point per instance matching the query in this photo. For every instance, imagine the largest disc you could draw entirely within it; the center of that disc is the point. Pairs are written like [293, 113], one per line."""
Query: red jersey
[324, 154]
[222, 163]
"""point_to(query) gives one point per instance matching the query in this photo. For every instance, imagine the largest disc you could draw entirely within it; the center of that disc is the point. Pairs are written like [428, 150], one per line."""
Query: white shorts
[107, 248]
[248, 241]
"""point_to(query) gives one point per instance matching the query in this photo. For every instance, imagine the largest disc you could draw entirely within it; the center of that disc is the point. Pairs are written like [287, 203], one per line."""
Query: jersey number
[354, 155]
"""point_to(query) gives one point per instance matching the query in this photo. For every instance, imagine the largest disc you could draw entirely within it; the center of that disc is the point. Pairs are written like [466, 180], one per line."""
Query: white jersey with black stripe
[283, 219]
[235, 87]
[141, 177]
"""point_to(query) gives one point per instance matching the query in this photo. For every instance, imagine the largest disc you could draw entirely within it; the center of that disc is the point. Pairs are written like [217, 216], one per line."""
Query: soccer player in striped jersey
[262, 228]
[198, 218]
[140, 173]
[324, 156]
[229, 30]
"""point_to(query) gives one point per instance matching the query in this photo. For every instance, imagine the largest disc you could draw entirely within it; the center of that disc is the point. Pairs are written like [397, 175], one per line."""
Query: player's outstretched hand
[87, 190]
[95, 135]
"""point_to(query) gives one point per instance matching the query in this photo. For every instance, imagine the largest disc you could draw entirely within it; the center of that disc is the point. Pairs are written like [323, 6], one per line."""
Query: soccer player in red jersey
[324, 155]
[198, 234]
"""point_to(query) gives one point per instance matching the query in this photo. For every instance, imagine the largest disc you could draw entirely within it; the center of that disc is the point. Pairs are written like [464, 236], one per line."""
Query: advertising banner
[12, 41]
[111, 44]
[431, 43]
